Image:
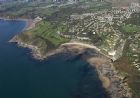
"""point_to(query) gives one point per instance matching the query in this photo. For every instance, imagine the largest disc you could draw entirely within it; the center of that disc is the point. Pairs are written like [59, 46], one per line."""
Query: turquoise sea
[21, 76]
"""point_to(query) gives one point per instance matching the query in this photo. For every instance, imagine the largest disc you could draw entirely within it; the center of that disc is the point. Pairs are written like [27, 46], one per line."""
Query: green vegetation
[132, 75]
[44, 36]
[130, 29]
[126, 63]
[49, 31]
[31, 10]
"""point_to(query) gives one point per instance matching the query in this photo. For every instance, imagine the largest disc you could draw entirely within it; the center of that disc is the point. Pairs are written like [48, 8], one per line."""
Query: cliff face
[122, 3]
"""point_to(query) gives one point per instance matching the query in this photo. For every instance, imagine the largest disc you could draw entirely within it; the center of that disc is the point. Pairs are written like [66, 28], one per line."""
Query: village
[102, 29]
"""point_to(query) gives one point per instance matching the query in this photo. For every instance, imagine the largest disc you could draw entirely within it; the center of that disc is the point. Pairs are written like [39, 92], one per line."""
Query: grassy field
[44, 36]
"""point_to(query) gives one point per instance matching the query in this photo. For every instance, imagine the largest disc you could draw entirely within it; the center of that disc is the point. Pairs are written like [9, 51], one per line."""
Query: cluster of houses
[89, 26]
[83, 27]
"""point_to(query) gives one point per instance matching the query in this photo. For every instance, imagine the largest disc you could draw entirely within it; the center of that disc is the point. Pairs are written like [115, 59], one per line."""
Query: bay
[21, 76]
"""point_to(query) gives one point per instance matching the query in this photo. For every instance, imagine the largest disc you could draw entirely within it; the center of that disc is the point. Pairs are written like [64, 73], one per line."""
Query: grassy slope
[44, 36]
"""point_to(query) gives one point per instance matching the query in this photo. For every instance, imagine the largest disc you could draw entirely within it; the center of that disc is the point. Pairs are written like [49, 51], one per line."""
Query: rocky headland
[111, 80]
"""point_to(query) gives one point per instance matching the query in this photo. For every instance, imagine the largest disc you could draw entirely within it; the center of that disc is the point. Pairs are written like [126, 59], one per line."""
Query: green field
[44, 36]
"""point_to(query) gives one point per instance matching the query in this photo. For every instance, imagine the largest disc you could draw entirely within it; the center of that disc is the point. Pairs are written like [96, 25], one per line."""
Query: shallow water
[21, 76]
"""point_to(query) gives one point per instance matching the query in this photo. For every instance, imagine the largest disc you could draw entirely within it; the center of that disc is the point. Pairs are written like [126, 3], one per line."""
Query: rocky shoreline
[35, 51]
[112, 82]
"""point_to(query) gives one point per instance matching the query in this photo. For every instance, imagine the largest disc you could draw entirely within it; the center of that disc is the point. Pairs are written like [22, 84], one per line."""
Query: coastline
[110, 78]
[111, 81]
[18, 19]
[29, 22]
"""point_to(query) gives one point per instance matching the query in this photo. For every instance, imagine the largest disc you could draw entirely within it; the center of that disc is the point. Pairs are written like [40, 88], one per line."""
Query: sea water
[21, 76]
